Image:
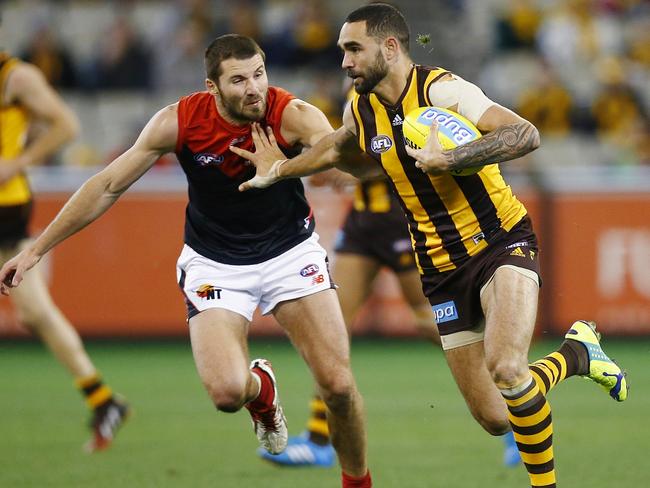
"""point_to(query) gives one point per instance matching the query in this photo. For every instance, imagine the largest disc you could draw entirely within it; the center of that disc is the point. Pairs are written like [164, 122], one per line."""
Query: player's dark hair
[226, 47]
[383, 20]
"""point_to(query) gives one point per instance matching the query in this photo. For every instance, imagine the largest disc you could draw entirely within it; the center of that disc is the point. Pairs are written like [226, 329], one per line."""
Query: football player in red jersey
[242, 250]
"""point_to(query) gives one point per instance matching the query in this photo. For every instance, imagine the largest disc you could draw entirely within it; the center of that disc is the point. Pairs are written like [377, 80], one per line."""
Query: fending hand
[267, 158]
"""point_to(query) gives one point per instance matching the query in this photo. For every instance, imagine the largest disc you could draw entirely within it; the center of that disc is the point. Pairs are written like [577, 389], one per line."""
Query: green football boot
[602, 369]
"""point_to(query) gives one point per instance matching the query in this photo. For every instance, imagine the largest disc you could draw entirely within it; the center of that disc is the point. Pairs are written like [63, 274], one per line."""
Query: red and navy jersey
[222, 223]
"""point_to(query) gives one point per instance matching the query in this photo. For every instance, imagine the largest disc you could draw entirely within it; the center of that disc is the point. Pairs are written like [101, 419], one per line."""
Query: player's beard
[375, 73]
[240, 111]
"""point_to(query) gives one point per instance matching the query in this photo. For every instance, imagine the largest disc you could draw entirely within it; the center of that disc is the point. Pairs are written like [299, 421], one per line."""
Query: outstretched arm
[328, 148]
[97, 194]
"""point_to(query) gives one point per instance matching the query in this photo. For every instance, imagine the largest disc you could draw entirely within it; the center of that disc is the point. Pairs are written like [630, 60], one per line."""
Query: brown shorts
[455, 295]
[383, 237]
[14, 221]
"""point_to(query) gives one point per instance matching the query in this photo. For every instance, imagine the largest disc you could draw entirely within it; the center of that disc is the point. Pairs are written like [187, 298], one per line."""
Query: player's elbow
[533, 137]
[70, 127]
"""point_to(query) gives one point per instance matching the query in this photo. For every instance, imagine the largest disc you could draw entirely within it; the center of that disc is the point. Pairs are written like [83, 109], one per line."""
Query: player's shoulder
[279, 93]
[20, 79]
[297, 106]
[21, 72]
[435, 73]
[196, 98]
[282, 106]
[162, 130]
[195, 108]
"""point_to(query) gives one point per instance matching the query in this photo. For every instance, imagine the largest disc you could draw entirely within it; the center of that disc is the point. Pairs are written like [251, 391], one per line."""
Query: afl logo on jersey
[309, 270]
[380, 144]
[207, 159]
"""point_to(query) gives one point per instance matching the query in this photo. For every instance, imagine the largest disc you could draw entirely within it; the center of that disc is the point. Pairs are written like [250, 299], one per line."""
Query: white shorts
[299, 272]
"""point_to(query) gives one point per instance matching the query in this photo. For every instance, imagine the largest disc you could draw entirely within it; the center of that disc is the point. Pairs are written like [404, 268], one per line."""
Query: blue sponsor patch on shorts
[445, 312]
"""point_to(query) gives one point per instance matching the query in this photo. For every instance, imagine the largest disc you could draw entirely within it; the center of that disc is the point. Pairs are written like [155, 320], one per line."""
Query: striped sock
[319, 432]
[95, 391]
[559, 365]
[530, 416]
[530, 413]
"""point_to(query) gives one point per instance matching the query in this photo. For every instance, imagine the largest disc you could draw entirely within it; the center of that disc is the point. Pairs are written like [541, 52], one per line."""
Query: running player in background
[242, 250]
[472, 238]
[26, 98]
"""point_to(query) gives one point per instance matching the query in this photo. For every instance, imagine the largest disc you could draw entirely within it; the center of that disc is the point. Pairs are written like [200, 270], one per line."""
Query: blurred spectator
[180, 64]
[314, 36]
[547, 104]
[123, 60]
[573, 37]
[324, 94]
[199, 12]
[45, 50]
[301, 36]
[638, 55]
[243, 19]
[517, 26]
[578, 33]
[616, 108]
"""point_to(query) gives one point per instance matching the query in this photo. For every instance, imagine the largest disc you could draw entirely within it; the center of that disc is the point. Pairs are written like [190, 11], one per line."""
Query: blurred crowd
[578, 69]
[586, 69]
[168, 52]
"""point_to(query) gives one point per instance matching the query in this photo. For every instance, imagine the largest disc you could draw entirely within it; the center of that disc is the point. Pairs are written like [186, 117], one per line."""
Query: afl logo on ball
[207, 159]
[309, 270]
[380, 144]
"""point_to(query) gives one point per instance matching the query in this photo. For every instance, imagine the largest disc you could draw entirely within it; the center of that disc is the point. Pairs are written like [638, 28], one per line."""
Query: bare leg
[425, 320]
[501, 361]
[220, 351]
[467, 365]
[354, 275]
[510, 306]
[37, 311]
[322, 340]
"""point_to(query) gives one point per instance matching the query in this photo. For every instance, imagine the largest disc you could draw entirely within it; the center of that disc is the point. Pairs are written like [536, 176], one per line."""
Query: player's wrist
[21, 163]
[276, 169]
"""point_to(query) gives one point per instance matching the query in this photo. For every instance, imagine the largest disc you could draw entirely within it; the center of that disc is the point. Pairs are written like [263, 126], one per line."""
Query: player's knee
[33, 319]
[494, 425]
[507, 372]
[339, 392]
[227, 398]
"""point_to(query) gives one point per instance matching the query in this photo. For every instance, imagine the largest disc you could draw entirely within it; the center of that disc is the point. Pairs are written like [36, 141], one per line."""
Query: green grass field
[420, 434]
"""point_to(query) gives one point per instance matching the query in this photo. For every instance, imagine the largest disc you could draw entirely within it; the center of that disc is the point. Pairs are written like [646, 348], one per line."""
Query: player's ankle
[349, 481]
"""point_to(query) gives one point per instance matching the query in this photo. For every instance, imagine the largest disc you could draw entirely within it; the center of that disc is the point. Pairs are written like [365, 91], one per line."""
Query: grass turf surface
[420, 434]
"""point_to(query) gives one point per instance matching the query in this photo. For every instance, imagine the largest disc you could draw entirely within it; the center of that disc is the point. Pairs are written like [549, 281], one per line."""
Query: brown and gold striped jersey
[14, 123]
[450, 217]
[374, 195]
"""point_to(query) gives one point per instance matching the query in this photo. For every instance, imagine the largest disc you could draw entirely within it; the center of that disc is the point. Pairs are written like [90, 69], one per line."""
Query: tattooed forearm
[508, 142]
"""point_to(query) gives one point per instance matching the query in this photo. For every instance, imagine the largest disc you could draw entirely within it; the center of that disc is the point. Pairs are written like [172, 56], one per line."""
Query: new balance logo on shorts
[445, 312]
[209, 292]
